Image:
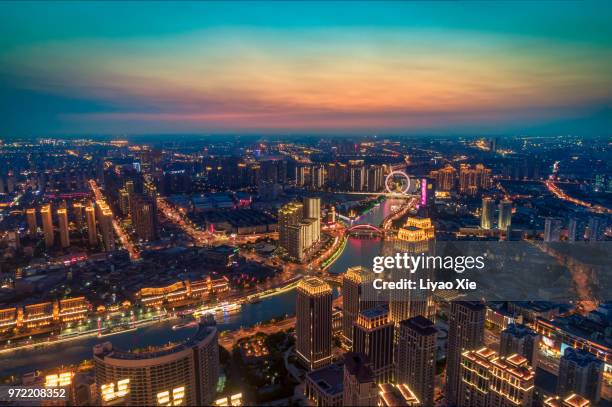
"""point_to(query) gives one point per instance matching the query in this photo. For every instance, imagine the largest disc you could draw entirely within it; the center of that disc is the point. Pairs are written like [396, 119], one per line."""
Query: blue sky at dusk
[430, 67]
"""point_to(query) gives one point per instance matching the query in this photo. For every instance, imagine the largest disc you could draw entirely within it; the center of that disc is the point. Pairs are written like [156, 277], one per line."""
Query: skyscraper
[373, 336]
[290, 214]
[505, 215]
[312, 208]
[62, 216]
[519, 339]
[181, 374]
[355, 298]
[415, 357]
[360, 388]
[572, 230]
[466, 332]
[486, 217]
[445, 178]
[92, 234]
[47, 221]
[144, 218]
[105, 220]
[317, 177]
[552, 229]
[31, 218]
[580, 372]
[313, 326]
[78, 210]
[490, 380]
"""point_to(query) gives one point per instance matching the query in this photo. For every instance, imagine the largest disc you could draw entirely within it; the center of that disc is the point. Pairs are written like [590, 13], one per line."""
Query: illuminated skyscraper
[573, 400]
[144, 218]
[312, 208]
[124, 202]
[31, 217]
[47, 221]
[356, 281]
[580, 372]
[62, 216]
[505, 215]
[466, 332]
[360, 388]
[416, 236]
[415, 357]
[445, 178]
[490, 380]
[357, 174]
[375, 178]
[300, 176]
[105, 220]
[317, 177]
[92, 233]
[313, 326]
[486, 217]
[552, 229]
[290, 214]
[373, 336]
[78, 211]
[180, 374]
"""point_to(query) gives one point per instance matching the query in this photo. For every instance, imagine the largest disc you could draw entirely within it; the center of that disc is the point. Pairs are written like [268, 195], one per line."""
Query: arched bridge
[365, 230]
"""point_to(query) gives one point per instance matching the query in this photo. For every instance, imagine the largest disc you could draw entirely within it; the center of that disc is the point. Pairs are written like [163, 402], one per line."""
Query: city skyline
[397, 67]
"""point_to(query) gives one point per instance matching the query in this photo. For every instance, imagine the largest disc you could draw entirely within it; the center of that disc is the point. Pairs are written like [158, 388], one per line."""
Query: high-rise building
[357, 175]
[317, 177]
[105, 220]
[47, 222]
[355, 298]
[466, 332]
[78, 211]
[520, 339]
[552, 229]
[302, 237]
[416, 236]
[580, 372]
[290, 214]
[31, 218]
[312, 208]
[490, 380]
[124, 202]
[181, 374]
[393, 395]
[92, 233]
[144, 218]
[504, 219]
[375, 178]
[373, 336]
[487, 210]
[445, 178]
[593, 231]
[415, 357]
[313, 326]
[572, 230]
[300, 176]
[62, 216]
[360, 388]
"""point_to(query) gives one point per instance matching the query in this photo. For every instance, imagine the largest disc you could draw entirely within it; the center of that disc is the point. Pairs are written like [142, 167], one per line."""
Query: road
[558, 192]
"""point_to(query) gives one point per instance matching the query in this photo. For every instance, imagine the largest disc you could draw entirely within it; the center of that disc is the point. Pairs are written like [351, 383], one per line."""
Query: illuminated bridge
[365, 230]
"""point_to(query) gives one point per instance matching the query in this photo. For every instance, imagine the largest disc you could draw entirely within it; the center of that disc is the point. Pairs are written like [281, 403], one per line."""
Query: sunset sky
[430, 67]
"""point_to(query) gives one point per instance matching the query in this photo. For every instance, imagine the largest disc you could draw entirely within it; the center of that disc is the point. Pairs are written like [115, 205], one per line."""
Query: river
[355, 253]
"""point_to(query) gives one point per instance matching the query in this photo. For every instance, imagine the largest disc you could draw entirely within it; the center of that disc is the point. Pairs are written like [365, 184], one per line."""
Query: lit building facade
[313, 326]
[486, 215]
[360, 388]
[355, 298]
[373, 336]
[415, 357]
[185, 374]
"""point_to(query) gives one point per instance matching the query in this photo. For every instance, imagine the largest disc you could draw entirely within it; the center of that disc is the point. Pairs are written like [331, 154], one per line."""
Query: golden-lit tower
[47, 221]
[62, 216]
[486, 216]
[92, 234]
[355, 297]
[31, 217]
[313, 326]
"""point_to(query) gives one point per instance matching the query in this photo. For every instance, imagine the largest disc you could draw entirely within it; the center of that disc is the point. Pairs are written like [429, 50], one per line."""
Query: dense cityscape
[232, 270]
